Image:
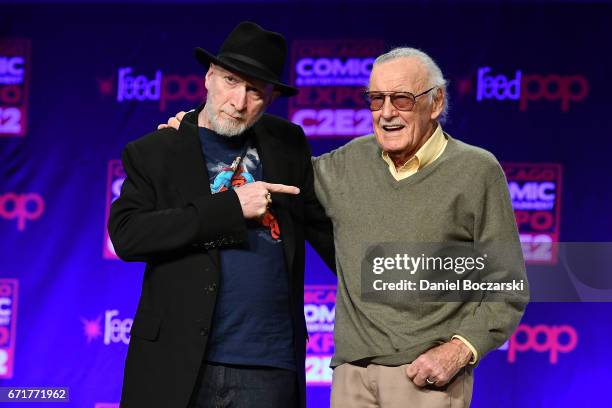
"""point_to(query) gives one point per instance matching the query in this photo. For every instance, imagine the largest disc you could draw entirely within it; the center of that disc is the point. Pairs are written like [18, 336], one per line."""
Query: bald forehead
[401, 74]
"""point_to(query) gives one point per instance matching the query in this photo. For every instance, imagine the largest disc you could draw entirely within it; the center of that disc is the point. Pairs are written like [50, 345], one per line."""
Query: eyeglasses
[402, 101]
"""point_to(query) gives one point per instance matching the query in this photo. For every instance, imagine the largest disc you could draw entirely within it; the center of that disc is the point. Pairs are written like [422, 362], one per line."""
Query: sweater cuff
[469, 345]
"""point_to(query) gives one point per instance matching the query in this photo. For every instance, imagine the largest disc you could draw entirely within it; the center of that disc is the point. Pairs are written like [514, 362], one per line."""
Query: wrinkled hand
[255, 197]
[439, 364]
[173, 122]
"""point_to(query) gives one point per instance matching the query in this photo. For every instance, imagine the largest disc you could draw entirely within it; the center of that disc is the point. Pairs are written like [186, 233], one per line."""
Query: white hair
[436, 79]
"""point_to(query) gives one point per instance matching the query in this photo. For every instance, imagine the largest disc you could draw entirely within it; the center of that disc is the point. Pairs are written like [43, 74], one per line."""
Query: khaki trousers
[377, 386]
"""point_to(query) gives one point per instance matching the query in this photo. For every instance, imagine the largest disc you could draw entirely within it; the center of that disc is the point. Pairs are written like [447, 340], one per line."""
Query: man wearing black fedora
[219, 211]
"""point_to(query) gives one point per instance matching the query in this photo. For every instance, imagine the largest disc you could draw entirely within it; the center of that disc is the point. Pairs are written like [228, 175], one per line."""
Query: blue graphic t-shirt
[252, 321]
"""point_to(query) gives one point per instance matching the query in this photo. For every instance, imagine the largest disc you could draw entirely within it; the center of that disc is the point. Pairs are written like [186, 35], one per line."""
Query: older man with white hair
[412, 182]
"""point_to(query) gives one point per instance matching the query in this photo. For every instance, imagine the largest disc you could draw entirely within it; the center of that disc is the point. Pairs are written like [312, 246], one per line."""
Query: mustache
[392, 122]
[235, 114]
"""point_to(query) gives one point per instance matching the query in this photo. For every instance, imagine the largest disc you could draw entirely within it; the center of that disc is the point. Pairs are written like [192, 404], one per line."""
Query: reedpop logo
[113, 330]
[160, 87]
[23, 207]
[526, 88]
[554, 340]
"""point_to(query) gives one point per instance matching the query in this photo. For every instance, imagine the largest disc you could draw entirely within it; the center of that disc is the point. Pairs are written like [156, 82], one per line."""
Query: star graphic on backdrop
[92, 328]
[105, 85]
[464, 86]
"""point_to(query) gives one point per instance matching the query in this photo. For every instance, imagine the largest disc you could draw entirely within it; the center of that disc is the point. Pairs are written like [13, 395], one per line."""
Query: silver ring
[430, 381]
[268, 200]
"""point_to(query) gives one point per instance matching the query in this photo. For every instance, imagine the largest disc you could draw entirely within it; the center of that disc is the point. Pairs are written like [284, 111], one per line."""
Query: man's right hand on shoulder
[173, 122]
[255, 198]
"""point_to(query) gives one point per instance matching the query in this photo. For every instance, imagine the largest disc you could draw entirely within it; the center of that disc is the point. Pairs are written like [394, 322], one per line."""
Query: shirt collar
[427, 153]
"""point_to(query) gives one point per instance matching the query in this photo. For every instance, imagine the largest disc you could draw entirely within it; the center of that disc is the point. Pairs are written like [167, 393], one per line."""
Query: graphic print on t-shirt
[223, 178]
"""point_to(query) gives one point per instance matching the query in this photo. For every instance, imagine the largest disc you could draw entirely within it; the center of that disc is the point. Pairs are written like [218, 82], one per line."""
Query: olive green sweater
[461, 196]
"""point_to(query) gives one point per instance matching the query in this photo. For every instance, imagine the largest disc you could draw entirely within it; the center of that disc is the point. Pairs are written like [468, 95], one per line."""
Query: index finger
[411, 371]
[281, 188]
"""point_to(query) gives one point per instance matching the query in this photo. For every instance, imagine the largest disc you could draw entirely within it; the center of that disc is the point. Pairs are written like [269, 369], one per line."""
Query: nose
[239, 98]
[388, 111]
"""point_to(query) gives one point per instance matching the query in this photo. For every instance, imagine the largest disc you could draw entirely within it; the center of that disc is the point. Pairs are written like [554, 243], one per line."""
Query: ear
[438, 104]
[208, 76]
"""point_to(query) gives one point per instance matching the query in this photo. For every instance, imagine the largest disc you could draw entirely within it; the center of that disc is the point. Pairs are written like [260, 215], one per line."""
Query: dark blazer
[167, 217]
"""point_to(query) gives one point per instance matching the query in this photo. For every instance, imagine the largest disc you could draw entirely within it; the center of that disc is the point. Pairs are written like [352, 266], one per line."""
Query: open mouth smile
[392, 128]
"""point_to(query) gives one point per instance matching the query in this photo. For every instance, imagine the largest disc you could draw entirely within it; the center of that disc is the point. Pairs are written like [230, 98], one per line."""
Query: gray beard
[227, 127]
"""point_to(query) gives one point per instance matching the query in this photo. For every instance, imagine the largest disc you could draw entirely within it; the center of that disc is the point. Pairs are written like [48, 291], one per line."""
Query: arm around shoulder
[317, 225]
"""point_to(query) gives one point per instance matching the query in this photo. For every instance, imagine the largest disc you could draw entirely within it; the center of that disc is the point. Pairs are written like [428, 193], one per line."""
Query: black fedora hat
[253, 51]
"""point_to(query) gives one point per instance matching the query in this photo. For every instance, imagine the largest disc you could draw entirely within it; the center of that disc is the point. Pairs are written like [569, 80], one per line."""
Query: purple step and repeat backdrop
[528, 81]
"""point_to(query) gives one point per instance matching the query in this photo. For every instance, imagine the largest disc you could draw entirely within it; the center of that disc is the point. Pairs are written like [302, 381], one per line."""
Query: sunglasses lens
[402, 101]
[375, 101]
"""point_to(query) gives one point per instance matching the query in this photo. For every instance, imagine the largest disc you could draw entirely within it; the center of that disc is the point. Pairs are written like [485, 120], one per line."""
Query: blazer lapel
[275, 170]
[191, 174]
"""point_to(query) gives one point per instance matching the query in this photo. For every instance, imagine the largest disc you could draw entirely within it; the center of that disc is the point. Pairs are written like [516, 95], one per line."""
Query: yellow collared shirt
[427, 154]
